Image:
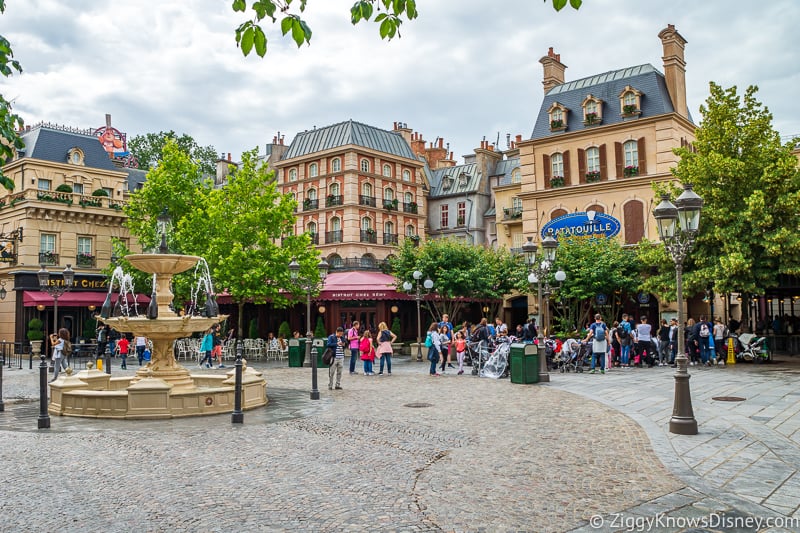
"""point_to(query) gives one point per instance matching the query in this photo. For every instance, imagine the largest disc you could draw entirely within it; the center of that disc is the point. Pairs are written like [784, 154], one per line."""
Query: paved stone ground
[485, 456]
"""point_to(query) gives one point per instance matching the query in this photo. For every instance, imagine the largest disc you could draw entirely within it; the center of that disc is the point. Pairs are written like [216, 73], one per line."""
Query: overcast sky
[464, 70]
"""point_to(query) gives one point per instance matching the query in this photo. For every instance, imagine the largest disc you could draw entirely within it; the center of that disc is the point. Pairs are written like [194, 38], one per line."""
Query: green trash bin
[296, 352]
[524, 363]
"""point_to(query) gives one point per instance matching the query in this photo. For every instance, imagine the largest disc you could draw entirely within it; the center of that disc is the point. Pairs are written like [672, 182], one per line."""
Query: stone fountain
[162, 388]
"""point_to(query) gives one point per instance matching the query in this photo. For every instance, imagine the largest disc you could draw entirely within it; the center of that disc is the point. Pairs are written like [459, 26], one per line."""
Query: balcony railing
[361, 263]
[65, 198]
[309, 204]
[314, 238]
[333, 236]
[410, 207]
[390, 238]
[512, 213]
[369, 236]
[390, 204]
[85, 260]
[333, 200]
[366, 200]
[48, 258]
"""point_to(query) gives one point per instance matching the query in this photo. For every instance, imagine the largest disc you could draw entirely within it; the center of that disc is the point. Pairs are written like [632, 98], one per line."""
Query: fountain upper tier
[160, 264]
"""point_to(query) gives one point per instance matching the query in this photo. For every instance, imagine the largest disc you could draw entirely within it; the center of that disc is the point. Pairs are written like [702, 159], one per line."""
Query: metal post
[44, 416]
[309, 340]
[544, 374]
[107, 359]
[419, 324]
[682, 421]
[237, 417]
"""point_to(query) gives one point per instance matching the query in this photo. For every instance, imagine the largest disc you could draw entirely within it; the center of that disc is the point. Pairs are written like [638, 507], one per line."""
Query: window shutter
[642, 157]
[633, 213]
[581, 166]
[567, 180]
[603, 169]
[618, 160]
[546, 169]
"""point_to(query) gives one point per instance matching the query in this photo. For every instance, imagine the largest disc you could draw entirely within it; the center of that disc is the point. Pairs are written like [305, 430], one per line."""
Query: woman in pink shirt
[353, 339]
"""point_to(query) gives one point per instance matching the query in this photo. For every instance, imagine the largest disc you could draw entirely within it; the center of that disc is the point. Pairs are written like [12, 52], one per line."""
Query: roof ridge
[601, 77]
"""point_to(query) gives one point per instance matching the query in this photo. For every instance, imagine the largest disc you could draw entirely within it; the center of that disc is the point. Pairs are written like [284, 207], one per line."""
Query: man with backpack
[702, 332]
[623, 333]
[598, 333]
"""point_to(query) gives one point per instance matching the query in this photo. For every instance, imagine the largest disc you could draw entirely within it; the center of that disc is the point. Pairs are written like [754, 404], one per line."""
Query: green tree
[750, 185]
[593, 266]
[284, 330]
[460, 270]
[148, 149]
[396, 327]
[319, 329]
[245, 232]
[10, 123]
[389, 15]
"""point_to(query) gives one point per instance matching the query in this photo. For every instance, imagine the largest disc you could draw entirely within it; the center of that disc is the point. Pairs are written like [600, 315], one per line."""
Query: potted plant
[630, 109]
[397, 346]
[591, 118]
[64, 187]
[284, 330]
[412, 207]
[460, 221]
[100, 192]
[370, 232]
[557, 124]
[593, 176]
[306, 204]
[631, 170]
[557, 181]
[35, 335]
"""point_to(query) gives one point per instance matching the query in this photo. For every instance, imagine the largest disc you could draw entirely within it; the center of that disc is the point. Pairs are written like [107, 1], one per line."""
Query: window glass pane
[293, 174]
[109, 191]
[366, 223]
[410, 230]
[591, 106]
[516, 176]
[312, 227]
[77, 188]
[516, 204]
[336, 166]
[47, 242]
[629, 99]
[366, 189]
[334, 189]
[593, 159]
[387, 171]
[313, 170]
[406, 175]
[85, 245]
[364, 165]
[312, 194]
[44, 185]
[557, 114]
[631, 149]
[336, 224]
[409, 198]
[557, 164]
[388, 227]
[388, 194]
[445, 216]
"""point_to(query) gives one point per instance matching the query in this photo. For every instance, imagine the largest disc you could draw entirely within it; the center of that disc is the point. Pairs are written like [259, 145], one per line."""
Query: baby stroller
[478, 354]
[568, 355]
[496, 364]
[753, 348]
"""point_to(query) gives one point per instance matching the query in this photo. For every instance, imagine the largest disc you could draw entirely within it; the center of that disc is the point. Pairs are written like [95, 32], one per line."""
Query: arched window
[333, 189]
[311, 194]
[633, 213]
[557, 114]
[596, 208]
[591, 107]
[557, 213]
[406, 175]
[388, 227]
[366, 223]
[311, 227]
[364, 165]
[313, 170]
[366, 190]
[335, 260]
[368, 261]
[593, 159]
[387, 171]
[629, 98]
[631, 151]
[557, 165]
[336, 165]
[516, 204]
[388, 194]
[336, 224]
[516, 176]
[411, 230]
[292, 174]
[408, 197]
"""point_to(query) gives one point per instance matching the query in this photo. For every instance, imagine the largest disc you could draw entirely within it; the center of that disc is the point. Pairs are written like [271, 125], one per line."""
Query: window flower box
[557, 181]
[557, 125]
[591, 119]
[630, 171]
[630, 110]
[390, 204]
[593, 176]
[85, 260]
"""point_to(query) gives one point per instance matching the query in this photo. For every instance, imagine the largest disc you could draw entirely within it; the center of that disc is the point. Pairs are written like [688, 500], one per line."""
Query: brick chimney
[674, 68]
[553, 70]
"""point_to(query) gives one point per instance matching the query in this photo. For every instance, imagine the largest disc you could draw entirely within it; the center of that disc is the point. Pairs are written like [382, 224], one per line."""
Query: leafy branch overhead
[389, 16]
[10, 124]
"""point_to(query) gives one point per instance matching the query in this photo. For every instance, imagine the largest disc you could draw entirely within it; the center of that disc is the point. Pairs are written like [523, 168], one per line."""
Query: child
[367, 352]
[461, 347]
[207, 348]
[122, 348]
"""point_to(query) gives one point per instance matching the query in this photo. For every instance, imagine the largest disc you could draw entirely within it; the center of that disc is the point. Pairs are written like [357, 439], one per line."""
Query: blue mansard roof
[608, 86]
[51, 144]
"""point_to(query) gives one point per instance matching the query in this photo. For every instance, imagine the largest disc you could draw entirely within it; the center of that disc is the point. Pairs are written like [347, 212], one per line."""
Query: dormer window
[630, 101]
[447, 182]
[75, 156]
[558, 117]
[592, 111]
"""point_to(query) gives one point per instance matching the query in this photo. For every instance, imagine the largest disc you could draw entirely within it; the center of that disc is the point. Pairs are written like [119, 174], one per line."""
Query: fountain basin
[160, 264]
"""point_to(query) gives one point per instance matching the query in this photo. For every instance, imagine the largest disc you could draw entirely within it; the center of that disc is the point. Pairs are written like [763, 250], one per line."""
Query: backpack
[704, 330]
[599, 332]
[428, 341]
[386, 336]
[67, 349]
[623, 333]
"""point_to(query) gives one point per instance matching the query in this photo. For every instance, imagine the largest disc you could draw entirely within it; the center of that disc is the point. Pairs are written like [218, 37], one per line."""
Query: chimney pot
[229, 156]
[519, 138]
[441, 141]
[395, 125]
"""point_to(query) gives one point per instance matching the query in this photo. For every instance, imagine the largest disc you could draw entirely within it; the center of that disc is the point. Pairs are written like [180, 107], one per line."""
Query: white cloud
[461, 71]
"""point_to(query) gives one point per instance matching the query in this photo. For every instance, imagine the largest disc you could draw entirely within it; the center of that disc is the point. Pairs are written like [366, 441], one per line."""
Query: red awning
[74, 299]
[360, 285]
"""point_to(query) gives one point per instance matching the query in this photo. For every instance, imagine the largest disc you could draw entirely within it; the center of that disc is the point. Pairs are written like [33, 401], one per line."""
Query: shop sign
[583, 224]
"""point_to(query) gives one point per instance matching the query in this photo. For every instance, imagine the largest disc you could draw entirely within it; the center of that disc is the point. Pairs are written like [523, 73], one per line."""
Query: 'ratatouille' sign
[586, 224]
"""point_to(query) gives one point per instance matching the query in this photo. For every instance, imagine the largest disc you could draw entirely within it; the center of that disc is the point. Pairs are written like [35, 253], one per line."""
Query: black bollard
[237, 417]
[107, 359]
[2, 362]
[44, 416]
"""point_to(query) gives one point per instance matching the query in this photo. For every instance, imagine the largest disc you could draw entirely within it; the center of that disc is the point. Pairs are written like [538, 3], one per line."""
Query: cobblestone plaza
[409, 452]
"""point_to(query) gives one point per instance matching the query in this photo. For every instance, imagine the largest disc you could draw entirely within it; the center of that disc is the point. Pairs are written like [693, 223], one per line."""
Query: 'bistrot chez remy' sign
[583, 224]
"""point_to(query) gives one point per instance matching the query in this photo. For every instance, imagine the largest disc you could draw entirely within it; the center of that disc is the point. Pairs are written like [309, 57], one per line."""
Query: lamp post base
[544, 372]
[682, 421]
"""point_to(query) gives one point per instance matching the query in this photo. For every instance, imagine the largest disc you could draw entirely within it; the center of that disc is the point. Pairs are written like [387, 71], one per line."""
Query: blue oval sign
[583, 224]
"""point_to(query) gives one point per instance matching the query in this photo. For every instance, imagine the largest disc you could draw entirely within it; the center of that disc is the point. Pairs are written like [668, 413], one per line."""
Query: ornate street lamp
[677, 226]
[416, 291]
[539, 271]
[310, 286]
